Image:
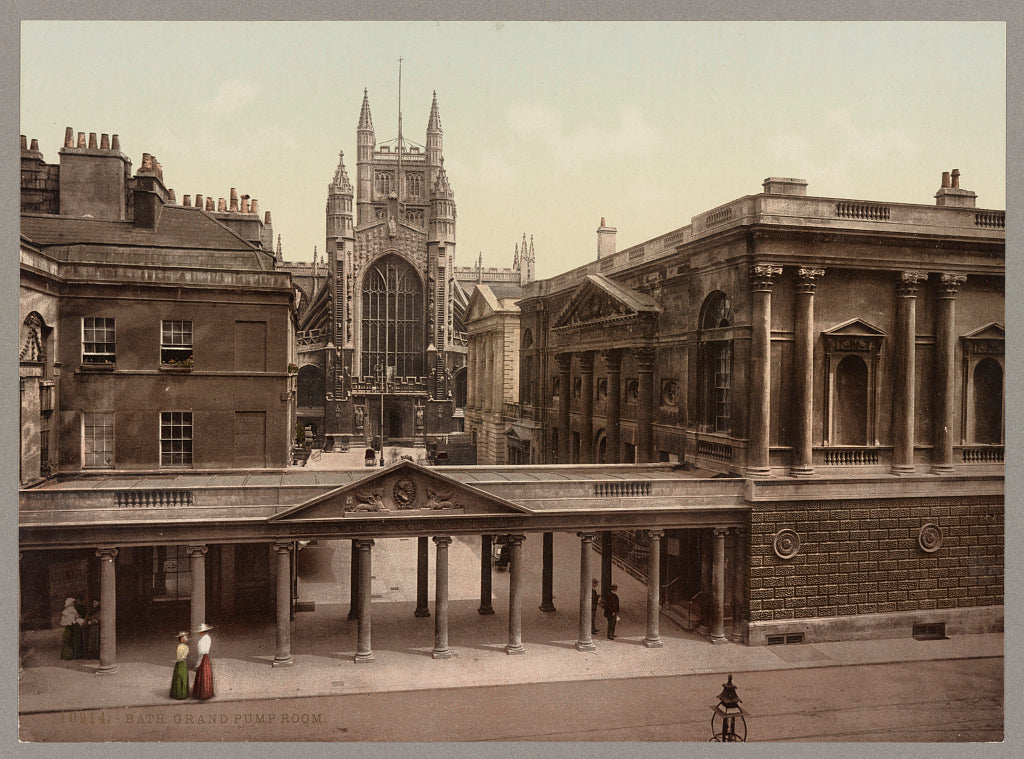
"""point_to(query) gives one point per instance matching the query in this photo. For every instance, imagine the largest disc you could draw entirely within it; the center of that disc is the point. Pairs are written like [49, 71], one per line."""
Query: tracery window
[392, 320]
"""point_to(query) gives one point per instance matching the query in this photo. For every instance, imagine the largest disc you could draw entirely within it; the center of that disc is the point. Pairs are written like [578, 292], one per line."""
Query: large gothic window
[393, 320]
[716, 363]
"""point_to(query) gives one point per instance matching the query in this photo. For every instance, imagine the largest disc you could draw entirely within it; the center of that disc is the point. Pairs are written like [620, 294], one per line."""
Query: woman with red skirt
[202, 688]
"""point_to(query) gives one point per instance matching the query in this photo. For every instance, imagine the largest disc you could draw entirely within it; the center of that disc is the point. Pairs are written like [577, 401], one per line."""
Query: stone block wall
[863, 557]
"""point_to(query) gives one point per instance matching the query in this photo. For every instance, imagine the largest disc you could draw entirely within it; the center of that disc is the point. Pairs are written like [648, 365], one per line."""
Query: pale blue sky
[547, 126]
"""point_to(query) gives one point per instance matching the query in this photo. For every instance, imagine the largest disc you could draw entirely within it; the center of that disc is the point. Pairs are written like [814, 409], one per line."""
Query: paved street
[921, 701]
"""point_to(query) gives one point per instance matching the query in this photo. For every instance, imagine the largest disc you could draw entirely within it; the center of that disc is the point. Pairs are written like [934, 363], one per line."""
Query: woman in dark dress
[71, 642]
[202, 688]
[92, 632]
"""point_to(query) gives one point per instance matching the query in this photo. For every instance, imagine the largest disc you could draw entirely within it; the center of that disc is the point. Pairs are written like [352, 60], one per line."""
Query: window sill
[96, 368]
[175, 369]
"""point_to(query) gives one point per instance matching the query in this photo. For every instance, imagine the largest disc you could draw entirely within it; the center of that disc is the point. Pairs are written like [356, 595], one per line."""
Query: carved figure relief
[371, 500]
[404, 493]
[439, 498]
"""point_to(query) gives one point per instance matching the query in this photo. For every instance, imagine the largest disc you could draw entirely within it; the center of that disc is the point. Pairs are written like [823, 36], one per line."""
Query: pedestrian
[92, 632]
[202, 688]
[611, 610]
[71, 642]
[595, 601]
[179, 680]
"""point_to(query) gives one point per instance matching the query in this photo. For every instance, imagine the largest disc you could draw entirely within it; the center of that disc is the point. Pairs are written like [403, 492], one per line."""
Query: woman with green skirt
[179, 680]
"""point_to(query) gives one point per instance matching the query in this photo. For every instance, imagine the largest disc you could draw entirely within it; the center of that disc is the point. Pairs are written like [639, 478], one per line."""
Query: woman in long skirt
[179, 680]
[92, 632]
[202, 688]
[71, 642]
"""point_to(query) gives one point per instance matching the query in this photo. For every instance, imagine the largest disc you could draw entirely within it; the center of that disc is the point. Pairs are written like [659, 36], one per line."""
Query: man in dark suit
[595, 601]
[611, 610]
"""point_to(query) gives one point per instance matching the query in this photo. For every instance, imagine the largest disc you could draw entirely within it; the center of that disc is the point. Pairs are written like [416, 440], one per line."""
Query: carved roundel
[787, 544]
[405, 493]
[930, 538]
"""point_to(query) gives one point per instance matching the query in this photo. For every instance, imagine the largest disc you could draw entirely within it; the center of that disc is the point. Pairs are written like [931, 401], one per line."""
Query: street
[960, 700]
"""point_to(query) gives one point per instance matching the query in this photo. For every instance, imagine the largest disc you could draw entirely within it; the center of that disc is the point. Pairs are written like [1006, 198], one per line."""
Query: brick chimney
[150, 195]
[605, 240]
[784, 186]
[950, 194]
[93, 180]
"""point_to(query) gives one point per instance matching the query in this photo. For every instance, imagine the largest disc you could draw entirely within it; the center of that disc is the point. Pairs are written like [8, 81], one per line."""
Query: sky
[548, 126]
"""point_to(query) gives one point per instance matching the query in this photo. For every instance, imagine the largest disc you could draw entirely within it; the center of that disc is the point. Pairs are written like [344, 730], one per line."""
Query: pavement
[323, 641]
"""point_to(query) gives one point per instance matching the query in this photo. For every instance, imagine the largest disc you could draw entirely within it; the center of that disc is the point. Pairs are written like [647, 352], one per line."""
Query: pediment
[598, 301]
[855, 327]
[993, 331]
[403, 490]
[482, 303]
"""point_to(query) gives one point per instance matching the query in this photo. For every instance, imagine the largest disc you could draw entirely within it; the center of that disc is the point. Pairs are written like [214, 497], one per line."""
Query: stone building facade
[156, 337]
[823, 342]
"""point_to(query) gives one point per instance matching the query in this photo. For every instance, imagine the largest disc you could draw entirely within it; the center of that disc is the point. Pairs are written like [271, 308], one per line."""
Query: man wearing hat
[611, 610]
[595, 601]
[202, 688]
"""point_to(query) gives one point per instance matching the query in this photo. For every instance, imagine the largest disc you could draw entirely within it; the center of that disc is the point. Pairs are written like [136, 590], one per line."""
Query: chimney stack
[951, 195]
[605, 240]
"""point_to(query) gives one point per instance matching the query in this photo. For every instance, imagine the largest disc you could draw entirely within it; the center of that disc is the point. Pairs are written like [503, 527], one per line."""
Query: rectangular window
[98, 439]
[172, 580]
[176, 438]
[97, 340]
[176, 343]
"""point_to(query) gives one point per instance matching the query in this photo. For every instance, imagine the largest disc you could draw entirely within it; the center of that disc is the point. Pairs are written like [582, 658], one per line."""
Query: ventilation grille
[789, 638]
[930, 631]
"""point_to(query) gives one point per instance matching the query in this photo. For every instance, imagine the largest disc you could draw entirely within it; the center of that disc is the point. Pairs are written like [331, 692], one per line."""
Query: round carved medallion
[405, 493]
[787, 544]
[930, 538]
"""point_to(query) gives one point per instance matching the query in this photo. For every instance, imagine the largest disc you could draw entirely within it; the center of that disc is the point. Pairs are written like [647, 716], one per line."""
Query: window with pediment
[851, 373]
[983, 386]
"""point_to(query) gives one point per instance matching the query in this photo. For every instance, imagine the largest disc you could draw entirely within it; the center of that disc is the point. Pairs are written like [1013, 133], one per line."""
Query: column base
[716, 639]
[485, 610]
[515, 650]
[353, 616]
[547, 607]
[110, 669]
[902, 470]
[736, 637]
[445, 654]
[363, 658]
[943, 469]
[282, 662]
[802, 471]
[422, 613]
[585, 645]
[758, 471]
[653, 643]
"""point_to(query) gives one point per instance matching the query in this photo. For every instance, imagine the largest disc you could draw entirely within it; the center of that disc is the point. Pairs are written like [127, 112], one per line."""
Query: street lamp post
[724, 725]
[380, 377]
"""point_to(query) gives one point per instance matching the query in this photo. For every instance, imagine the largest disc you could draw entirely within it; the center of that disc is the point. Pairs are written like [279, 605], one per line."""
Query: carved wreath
[786, 544]
[405, 493]
[930, 538]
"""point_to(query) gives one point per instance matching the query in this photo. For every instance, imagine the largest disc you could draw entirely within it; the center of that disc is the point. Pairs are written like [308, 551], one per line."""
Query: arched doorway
[851, 418]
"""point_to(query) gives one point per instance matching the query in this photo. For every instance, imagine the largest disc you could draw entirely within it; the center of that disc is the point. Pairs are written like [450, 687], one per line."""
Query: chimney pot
[602, 222]
[221, 205]
[147, 162]
[209, 204]
[245, 204]
[254, 207]
[186, 200]
[199, 201]
[115, 143]
[171, 198]
[234, 200]
[104, 142]
[24, 142]
[945, 179]
[34, 145]
[266, 219]
[956, 178]
[69, 137]
[92, 140]
[81, 139]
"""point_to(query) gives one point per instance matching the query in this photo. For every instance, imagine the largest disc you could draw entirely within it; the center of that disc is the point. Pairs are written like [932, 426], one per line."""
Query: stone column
[422, 572]
[613, 364]
[283, 656]
[802, 464]
[585, 641]
[762, 279]
[547, 602]
[645, 405]
[108, 611]
[903, 402]
[738, 585]
[197, 569]
[945, 353]
[498, 375]
[606, 562]
[353, 603]
[564, 401]
[718, 587]
[515, 597]
[441, 650]
[653, 639]
[364, 652]
[485, 575]
[470, 373]
[587, 407]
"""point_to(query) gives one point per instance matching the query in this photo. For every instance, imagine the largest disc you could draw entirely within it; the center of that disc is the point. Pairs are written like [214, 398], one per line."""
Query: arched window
[851, 412]
[988, 401]
[715, 389]
[392, 320]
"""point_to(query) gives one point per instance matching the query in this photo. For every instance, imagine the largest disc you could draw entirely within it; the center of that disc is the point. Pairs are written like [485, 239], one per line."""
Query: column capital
[739, 532]
[807, 279]
[586, 361]
[656, 533]
[644, 359]
[363, 543]
[107, 554]
[762, 277]
[196, 550]
[282, 547]
[564, 361]
[587, 537]
[949, 285]
[613, 359]
[908, 283]
[720, 532]
[516, 539]
[442, 540]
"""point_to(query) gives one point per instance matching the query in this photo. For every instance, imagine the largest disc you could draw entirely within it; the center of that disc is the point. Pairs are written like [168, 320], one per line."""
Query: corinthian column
[762, 280]
[564, 399]
[587, 407]
[905, 371]
[803, 371]
[645, 407]
[613, 364]
[945, 350]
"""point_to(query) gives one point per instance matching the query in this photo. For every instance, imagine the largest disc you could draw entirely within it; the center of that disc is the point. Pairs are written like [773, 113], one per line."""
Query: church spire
[365, 120]
[341, 183]
[434, 122]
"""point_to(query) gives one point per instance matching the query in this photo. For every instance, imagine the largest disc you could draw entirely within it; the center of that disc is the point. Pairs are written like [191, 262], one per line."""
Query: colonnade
[362, 607]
